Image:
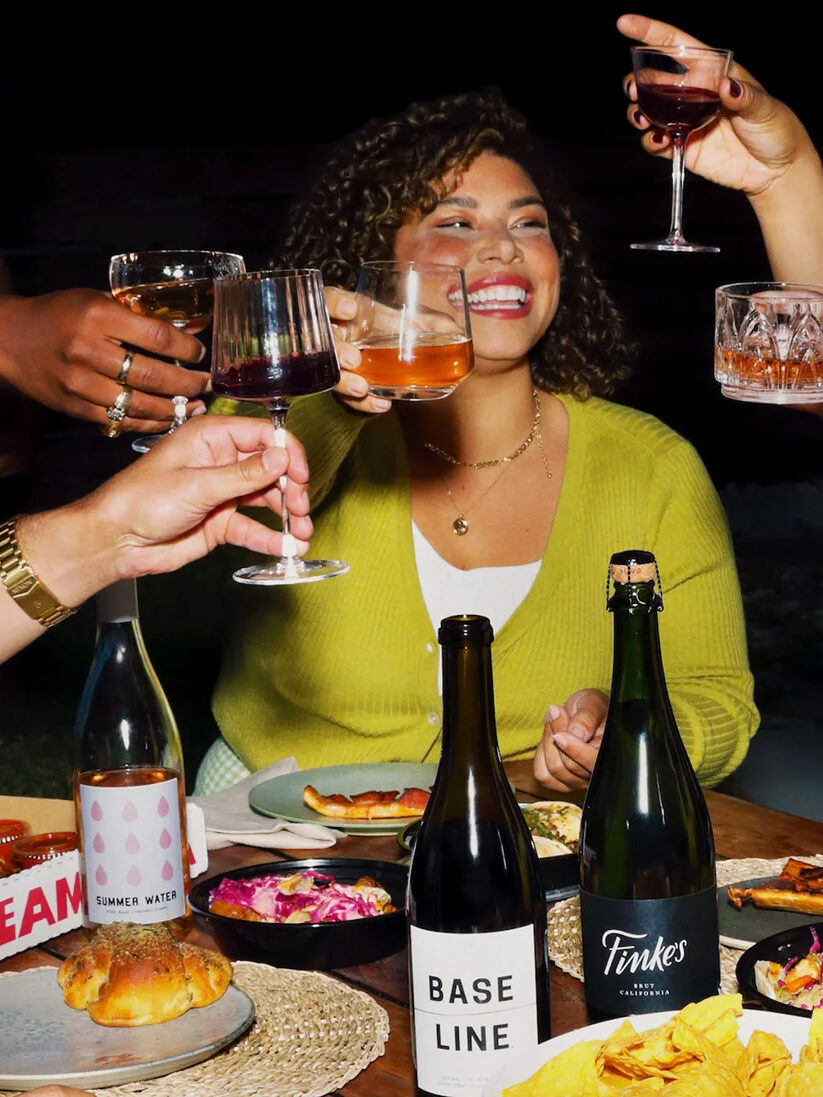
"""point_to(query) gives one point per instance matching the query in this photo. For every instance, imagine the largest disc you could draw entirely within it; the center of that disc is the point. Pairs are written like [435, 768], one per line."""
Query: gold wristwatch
[18, 578]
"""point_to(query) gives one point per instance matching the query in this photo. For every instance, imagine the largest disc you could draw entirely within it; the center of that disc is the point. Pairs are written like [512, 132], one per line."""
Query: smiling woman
[505, 499]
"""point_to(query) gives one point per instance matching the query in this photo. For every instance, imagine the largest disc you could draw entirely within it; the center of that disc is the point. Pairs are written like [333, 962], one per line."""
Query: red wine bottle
[478, 952]
[647, 877]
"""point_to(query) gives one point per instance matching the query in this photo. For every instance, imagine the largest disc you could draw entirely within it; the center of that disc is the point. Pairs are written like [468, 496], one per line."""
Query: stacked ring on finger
[123, 375]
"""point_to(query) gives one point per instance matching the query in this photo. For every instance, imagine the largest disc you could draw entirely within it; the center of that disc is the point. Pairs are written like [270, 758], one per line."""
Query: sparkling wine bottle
[478, 953]
[128, 780]
[647, 876]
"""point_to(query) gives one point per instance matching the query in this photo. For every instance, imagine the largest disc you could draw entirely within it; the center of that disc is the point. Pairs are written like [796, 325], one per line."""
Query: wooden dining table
[741, 829]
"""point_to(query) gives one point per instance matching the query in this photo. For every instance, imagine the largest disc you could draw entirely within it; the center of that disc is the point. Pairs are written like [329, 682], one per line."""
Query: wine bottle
[128, 780]
[478, 952]
[647, 876]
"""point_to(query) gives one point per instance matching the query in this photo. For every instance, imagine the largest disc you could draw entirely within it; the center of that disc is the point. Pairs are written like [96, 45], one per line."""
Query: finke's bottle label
[475, 1006]
[649, 954]
[132, 850]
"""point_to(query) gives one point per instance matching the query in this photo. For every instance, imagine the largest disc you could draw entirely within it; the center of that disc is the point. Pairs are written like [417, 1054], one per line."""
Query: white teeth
[496, 296]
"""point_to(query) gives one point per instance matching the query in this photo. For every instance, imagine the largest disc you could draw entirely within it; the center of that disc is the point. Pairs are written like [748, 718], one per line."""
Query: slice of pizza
[410, 804]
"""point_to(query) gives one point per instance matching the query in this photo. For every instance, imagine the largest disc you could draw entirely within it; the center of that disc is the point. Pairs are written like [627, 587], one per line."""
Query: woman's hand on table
[352, 389]
[756, 139]
[572, 734]
[66, 351]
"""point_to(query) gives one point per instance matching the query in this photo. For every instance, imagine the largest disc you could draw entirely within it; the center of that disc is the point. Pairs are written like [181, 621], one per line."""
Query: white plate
[793, 1031]
[43, 1041]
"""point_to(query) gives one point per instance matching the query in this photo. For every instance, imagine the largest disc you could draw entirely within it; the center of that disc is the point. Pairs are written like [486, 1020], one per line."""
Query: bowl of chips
[712, 1048]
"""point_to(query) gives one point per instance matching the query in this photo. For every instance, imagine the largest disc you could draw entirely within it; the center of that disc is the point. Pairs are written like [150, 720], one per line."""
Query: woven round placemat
[311, 1035]
[566, 950]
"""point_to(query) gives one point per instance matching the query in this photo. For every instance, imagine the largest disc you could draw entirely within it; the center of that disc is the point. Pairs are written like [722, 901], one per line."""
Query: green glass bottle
[478, 950]
[647, 873]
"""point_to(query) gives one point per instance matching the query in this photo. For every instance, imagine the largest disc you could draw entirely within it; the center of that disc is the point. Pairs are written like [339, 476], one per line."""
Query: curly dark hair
[391, 168]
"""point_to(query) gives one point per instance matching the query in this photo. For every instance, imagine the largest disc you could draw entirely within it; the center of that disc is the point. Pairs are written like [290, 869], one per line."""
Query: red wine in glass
[678, 108]
[278, 379]
[678, 89]
[273, 341]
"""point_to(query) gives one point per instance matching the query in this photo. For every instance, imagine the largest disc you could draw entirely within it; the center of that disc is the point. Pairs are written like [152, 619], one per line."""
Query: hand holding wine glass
[678, 90]
[756, 139]
[175, 286]
[273, 341]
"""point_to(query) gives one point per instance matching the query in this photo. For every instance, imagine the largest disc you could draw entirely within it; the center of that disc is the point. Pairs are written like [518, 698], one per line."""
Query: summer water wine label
[132, 852]
[647, 882]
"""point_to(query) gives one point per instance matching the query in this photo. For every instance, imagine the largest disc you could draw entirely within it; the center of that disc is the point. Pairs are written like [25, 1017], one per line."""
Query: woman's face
[494, 225]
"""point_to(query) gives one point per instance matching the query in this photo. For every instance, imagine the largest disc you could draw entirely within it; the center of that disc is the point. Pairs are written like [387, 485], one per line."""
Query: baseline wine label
[131, 848]
[647, 955]
[475, 998]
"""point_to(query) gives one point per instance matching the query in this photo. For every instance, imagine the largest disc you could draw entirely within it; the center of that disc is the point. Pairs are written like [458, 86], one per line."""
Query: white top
[491, 592]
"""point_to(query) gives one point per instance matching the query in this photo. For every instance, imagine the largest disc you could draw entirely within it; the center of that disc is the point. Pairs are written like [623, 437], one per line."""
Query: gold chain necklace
[494, 461]
[460, 525]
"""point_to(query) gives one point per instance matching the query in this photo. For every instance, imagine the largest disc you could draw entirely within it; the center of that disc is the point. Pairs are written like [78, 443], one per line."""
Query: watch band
[20, 581]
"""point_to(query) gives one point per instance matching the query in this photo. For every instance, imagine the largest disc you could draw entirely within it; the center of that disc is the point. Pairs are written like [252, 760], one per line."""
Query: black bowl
[318, 946]
[560, 876]
[780, 947]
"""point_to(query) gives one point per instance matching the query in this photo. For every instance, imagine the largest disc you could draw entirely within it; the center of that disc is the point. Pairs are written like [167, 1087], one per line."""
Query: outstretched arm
[757, 145]
[168, 508]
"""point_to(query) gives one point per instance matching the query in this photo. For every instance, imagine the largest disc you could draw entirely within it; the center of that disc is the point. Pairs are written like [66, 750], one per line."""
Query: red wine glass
[678, 89]
[175, 286]
[273, 341]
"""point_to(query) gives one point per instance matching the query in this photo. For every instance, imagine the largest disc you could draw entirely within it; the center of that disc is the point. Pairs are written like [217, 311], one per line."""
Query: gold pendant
[460, 526]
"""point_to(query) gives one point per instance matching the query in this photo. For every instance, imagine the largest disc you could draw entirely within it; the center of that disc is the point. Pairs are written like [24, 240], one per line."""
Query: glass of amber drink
[412, 329]
[768, 342]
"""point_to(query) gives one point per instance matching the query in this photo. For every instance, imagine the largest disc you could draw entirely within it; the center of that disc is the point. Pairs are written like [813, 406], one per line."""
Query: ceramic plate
[283, 796]
[741, 928]
[793, 1031]
[43, 1041]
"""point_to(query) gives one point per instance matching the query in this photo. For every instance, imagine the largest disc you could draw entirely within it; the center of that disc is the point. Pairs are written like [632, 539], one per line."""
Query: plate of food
[696, 1047]
[750, 910]
[555, 828]
[133, 1013]
[320, 913]
[784, 972]
[372, 798]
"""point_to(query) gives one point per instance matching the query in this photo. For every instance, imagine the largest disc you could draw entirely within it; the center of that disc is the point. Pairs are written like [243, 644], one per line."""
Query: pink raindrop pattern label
[133, 852]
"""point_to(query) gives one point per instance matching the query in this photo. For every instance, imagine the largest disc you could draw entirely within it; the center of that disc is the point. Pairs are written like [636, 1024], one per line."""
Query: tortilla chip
[572, 1073]
[761, 1063]
[813, 1051]
[800, 1080]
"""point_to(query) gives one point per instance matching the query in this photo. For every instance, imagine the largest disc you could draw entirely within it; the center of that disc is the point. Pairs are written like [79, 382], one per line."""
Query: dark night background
[198, 136]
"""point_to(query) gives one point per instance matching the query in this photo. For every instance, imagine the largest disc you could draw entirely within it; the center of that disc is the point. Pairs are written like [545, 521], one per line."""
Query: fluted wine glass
[273, 341]
[176, 286]
[678, 89]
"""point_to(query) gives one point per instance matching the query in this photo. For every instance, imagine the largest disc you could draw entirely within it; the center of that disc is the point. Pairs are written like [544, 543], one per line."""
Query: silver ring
[124, 369]
[117, 411]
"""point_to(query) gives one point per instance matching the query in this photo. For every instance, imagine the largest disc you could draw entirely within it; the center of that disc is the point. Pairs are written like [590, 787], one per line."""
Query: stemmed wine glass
[176, 286]
[273, 341]
[678, 89]
[412, 329]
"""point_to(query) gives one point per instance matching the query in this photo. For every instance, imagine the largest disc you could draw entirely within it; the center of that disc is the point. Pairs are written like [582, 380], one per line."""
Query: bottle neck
[469, 729]
[637, 673]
